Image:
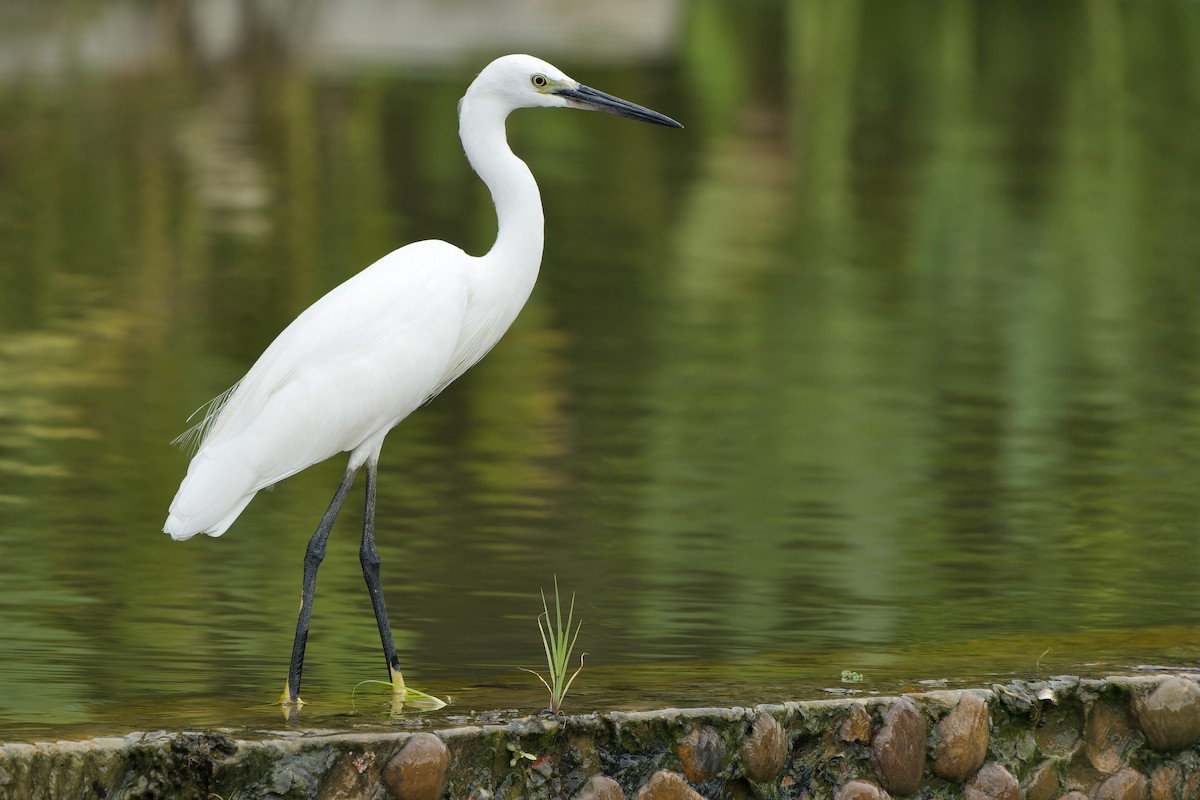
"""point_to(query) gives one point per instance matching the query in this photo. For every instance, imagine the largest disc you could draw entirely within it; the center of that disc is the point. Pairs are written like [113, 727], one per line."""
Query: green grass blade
[558, 642]
[568, 686]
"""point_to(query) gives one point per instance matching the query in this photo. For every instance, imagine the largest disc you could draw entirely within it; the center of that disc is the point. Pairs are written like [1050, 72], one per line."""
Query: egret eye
[540, 81]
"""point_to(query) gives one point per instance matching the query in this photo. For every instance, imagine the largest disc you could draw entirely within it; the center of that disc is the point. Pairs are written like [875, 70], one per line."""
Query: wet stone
[666, 785]
[1170, 715]
[861, 790]
[992, 782]
[702, 753]
[962, 740]
[1079, 772]
[350, 778]
[898, 748]
[1127, 784]
[1107, 734]
[857, 725]
[1191, 784]
[600, 787]
[420, 770]
[765, 750]
[1043, 783]
[1166, 783]
[1059, 730]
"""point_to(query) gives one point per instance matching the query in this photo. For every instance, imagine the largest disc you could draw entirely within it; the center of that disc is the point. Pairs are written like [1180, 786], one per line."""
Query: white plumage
[367, 354]
[337, 379]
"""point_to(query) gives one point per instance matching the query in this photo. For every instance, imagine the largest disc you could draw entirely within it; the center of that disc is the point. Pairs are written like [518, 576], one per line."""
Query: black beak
[587, 98]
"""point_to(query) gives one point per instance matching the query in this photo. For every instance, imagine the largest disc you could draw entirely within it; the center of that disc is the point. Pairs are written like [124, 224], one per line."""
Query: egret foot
[398, 688]
[285, 699]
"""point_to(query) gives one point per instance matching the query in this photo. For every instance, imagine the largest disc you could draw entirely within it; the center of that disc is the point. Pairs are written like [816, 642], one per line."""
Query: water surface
[888, 362]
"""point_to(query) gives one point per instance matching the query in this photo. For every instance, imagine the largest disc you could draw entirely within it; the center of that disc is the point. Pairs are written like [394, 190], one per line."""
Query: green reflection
[887, 362]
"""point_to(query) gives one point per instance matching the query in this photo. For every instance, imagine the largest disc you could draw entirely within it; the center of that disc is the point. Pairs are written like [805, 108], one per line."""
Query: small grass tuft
[558, 640]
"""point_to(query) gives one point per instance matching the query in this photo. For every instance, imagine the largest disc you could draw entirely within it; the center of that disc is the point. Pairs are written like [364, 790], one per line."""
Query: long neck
[514, 191]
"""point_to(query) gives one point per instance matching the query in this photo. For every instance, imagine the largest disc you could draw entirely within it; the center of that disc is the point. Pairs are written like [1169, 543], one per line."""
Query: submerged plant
[406, 695]
[558, 640]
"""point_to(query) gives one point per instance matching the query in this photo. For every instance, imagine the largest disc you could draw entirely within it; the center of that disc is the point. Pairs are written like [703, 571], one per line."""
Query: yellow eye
[540, 81]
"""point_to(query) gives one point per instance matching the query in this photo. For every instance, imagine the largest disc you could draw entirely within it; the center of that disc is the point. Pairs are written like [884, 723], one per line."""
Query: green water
[889, 362]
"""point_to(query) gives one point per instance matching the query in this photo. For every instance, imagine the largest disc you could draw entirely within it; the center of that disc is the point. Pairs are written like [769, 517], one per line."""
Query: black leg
[312, 559]
[369, 556]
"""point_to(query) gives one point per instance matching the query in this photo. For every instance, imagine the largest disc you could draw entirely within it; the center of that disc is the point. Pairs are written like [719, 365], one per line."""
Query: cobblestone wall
[1119, 738]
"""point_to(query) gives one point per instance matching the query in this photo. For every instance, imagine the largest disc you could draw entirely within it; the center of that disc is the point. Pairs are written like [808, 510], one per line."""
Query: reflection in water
[891, 366]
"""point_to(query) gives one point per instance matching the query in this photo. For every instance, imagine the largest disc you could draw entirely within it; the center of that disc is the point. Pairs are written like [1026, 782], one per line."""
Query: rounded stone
[1191, 784]
[861, 790]
[666, 785]
[702, 753]
[1078, 773]
[1108, 733]
[1059, 730]
[1166, 783]
[962, 740]
[1170, 715]
[601, 787]
[856, 727]
[764, 752]
[420, 770]
[1126, 784]
[898, 748]
[1043, 783]
[992, 782]
[1074, 796]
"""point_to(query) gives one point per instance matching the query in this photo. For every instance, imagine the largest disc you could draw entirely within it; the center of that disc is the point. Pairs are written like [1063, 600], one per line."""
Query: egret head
[521, 81]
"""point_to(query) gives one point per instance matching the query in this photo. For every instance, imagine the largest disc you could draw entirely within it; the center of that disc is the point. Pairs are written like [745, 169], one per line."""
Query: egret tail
[211, 496]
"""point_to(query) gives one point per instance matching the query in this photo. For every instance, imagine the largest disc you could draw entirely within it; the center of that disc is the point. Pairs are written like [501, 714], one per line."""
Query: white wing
[347, 369]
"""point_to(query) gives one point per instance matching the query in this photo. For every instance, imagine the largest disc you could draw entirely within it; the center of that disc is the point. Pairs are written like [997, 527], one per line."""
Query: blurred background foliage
[889, 361]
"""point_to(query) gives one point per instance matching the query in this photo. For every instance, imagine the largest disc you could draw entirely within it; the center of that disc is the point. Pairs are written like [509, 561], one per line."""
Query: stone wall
[1119, 738]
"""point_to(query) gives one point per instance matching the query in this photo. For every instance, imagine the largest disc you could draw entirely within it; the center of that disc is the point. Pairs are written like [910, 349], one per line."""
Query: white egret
[372, 350]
